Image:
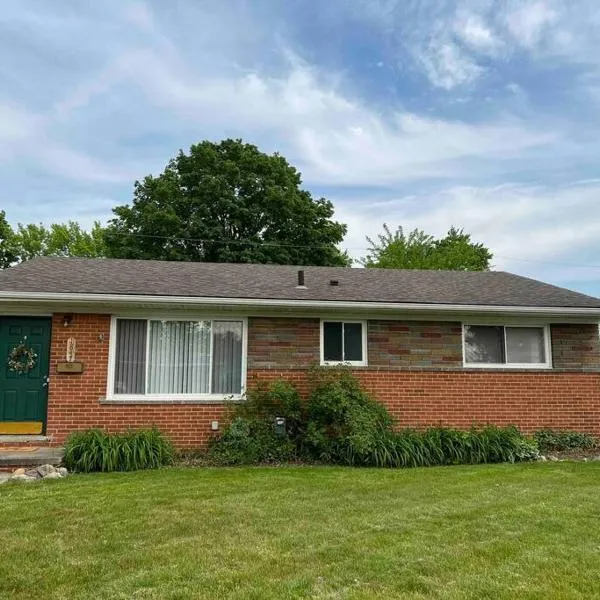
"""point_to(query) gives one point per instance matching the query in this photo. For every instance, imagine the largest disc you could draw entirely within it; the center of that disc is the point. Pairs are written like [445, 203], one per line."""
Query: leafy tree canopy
[59, 239]
[418, 250]
[226, 202]
[8, 253]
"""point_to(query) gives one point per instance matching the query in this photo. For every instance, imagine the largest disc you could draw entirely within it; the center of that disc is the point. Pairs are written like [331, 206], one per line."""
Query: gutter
[61, 298]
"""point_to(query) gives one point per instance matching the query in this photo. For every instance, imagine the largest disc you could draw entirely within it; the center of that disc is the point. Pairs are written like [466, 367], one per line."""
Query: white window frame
[352, 363]
[112, 355]
[547, 346]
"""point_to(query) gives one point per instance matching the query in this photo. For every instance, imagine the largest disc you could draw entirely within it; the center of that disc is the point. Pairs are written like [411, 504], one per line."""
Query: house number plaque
[69, 367]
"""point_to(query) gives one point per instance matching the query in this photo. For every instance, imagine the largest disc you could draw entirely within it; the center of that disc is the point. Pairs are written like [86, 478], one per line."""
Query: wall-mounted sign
[69, 367]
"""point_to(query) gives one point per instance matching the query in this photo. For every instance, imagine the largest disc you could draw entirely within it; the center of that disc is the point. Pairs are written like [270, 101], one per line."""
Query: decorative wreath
[21, 359]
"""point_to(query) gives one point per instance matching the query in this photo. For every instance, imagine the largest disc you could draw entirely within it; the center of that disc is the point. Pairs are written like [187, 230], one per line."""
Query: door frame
[9, 314]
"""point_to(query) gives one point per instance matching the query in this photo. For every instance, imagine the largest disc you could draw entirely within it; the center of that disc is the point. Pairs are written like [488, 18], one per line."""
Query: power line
[225, 242]
[323, 247]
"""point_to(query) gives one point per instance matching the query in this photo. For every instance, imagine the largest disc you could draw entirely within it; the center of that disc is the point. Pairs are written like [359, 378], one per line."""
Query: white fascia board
[254, 303]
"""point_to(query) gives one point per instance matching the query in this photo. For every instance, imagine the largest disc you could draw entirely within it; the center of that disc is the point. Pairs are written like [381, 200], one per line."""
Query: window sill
[519, 366]
[172, 399]
[346, 363]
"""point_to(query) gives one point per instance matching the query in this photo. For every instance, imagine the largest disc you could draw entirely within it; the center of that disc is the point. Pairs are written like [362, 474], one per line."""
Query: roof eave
[207, 302]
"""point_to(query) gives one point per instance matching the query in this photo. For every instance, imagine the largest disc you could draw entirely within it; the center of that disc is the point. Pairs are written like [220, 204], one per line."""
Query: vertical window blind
[178, 357]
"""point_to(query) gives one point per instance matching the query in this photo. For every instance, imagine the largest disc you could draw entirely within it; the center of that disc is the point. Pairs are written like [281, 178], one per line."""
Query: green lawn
[503, 531]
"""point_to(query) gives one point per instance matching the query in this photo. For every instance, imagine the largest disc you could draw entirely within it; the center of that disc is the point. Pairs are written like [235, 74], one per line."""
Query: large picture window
[499, 345]
[343, 342]
[177, 358]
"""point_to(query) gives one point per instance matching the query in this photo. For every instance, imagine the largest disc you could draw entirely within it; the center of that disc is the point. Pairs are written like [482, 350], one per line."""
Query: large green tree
[418, 250]
[226, 202]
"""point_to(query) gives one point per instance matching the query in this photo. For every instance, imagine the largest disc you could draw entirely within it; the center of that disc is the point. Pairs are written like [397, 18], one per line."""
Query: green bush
[341, 424]
[97, 450]
[250, 437]
[248, 441]
[344, 425]
[549, 439]
[268, 402]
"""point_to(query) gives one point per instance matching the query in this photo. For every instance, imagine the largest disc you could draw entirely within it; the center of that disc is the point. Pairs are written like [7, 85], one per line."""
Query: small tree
[418, 250]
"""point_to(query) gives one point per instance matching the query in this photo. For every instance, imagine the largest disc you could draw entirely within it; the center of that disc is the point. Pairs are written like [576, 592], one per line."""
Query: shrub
[549, 439]
[251, 441]
[344, 425]
[97, 450]
[250, 437]
[267, 402]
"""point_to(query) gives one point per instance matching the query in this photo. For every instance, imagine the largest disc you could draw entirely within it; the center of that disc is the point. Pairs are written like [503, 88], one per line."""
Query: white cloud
[139, 15]
[16, 125]
[477, 34]
[24, 136]
[542, 231]
[447, 66]
[333, 137]
[528, 22]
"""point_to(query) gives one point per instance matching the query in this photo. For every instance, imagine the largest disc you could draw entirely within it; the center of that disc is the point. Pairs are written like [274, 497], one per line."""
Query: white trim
[318, 304]
[112, 356]
[547, 347]
[352, 363]
[173, 398]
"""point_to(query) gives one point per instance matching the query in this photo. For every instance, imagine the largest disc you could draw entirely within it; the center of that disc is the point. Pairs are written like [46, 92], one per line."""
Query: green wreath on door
[21, 359]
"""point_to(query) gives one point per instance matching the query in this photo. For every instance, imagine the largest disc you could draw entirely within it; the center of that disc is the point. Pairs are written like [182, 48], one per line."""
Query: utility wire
[324, 247]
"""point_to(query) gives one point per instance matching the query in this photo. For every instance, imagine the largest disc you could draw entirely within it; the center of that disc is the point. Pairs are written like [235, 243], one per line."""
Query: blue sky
[425, 113]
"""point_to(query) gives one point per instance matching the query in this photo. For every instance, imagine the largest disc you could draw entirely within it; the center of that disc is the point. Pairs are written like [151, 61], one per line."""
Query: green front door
[24, 389]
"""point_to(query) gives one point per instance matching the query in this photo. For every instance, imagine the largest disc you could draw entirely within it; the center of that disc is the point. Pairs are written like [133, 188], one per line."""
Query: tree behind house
[226, 202]
[418, 250]
[59, 239]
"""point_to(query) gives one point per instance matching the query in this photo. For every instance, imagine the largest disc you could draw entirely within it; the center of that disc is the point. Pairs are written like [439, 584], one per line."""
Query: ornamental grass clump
[97, 450]
[446, 446]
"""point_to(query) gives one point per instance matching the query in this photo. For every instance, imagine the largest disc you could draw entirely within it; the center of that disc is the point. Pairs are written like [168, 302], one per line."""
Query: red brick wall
[74, 400]
[420, 388]
[530, 400]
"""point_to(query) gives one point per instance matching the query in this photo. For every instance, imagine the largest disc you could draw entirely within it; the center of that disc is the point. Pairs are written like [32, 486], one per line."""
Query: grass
[502, 531]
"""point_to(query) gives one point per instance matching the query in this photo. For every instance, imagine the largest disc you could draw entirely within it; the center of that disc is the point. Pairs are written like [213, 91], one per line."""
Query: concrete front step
[24, 440]
[12, 458]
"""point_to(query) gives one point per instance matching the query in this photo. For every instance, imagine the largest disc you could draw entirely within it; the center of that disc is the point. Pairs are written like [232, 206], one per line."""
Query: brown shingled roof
[220, 280]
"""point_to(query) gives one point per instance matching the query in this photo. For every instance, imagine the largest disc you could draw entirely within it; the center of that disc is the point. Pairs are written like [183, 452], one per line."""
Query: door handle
[46, 381]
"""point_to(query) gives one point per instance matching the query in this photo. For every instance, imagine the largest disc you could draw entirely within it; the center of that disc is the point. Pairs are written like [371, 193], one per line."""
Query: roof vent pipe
[301, 279]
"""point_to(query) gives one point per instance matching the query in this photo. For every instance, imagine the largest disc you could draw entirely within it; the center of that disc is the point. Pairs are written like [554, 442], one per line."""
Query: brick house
[120, 343]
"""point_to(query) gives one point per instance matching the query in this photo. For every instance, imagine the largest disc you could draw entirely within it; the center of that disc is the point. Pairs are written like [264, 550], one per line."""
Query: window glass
[130, 360]
[227, 357]
[525, 345]
[484, 344]
[353, 342]
[332, 341]
[180, 357]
